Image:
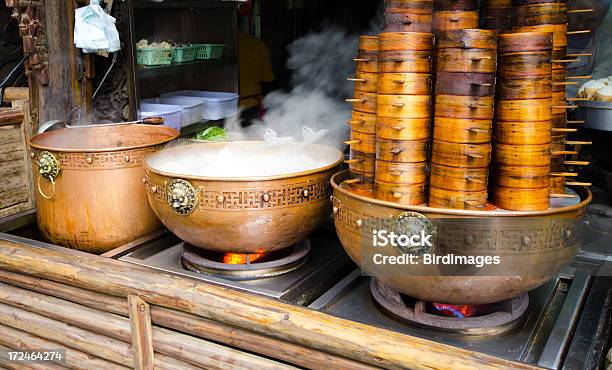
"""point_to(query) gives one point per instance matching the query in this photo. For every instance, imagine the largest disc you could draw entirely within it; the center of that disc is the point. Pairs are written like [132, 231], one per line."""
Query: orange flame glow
[241, 259]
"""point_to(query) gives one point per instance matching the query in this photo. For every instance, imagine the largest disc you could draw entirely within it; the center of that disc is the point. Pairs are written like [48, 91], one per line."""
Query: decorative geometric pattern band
[103, 160]
[275, 196]
[483, 235]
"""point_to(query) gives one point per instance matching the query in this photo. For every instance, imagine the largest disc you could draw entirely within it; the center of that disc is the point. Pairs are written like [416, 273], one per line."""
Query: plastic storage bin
[218, 104]
[154, 56]
[192, 107]
[184, 54]
[171, 113]
[209, 51]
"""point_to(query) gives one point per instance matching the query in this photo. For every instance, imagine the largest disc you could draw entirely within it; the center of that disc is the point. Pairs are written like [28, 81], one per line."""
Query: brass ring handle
[40, 190]
[182, 197]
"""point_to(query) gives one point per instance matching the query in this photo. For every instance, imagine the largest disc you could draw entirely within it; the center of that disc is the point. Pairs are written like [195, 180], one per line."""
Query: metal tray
[597, 114]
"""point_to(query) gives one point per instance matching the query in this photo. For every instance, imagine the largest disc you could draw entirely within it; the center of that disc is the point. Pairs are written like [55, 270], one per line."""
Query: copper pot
[90, 195]
[541, 257]
[241, 214]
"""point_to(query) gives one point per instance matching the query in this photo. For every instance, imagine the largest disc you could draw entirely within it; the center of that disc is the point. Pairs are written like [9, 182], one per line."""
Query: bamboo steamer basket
[368, 43]
[470, 107]
[558, 79]
[363, 122]
[522, 155]
[365, 143]
[408, 22]
[402, 194]
[467, 39]
[364, 102]
[559, 53]
[468, 5]
[523, 132]
[497, 19]
[409, 6]
[557, 143]
[536, 39]
[404, 106]
[402, 41]
[557, 163]
[366, 181]
[468, 131]
[557, 185]
[461, 155]
[404, 84]
[474, 84]
[454, 20]
[537, 14]
[559, 120]
[366, 81]
[362, 163]
[525, 88]
[90, 195]
[524, 110]
[403, 129]
[559, 33]
[559, 101]
[401, 173]
[413, 151]
[356, 216]
[514, 199]
[525, 64]
[521, 177]
[497, 4]
[367, 61]
[527, 2]
[458, 178]
[406, 61]
[466, 60]
[453, 199]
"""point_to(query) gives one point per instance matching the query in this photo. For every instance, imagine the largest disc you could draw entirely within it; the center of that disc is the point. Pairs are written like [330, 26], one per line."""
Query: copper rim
[245, 179]
[583, 192]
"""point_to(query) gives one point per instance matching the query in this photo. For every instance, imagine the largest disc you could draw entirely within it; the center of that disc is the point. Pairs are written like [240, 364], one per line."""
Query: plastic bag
[94, 30]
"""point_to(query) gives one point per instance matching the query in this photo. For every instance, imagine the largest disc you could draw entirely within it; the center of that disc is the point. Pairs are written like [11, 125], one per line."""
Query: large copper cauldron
[535, 244]
[242, 215]
[89, 181]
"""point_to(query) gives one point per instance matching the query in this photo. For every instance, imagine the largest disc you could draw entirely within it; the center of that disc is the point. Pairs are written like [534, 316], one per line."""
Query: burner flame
[241, 259]
[461, 311]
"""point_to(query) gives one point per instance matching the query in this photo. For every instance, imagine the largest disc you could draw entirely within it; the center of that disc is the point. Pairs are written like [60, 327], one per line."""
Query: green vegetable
[212, 134]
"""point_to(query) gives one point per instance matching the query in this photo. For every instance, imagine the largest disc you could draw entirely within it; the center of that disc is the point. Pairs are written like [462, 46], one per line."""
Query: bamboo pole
[20, 340]
[189, 324]
[179, 346]
[142, 333]
[16, 93]
[262, 315]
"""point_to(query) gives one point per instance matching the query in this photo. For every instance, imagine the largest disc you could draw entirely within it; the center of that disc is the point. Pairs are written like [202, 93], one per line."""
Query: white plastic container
[171, 113]
[218, 104]
[193, 108]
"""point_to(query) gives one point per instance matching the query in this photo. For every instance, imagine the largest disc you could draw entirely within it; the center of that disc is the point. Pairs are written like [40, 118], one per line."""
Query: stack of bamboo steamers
[495, 121]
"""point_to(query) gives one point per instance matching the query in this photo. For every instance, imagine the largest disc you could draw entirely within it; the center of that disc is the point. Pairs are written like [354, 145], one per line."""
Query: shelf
[174, 68]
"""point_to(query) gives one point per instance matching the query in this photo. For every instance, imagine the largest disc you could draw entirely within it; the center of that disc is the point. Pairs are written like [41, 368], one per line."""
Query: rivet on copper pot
[89, 160]
[526, 240]
[359, 223]
[153, 189]
[220, 198]
[144, 181]
[335, 209]
[568, 233]
[305, 192]
[469, 239]
[331, 198]
[32, 154]
[266, 197]
[127, 158]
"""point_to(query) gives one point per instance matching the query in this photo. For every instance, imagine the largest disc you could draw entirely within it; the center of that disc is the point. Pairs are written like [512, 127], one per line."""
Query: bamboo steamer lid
[364, 102]
[467, 39]
[367, 61]
[525, 65]
[453, 199]
[366, 81]
[557, 143]
[403, 129]
[522, 177]
[454, 20]
[401, 173]
[368, 43]
[473, 84]
[523, 132]
[363, 122]
[466, 60]
[412, 151]
[363, 163]
[524, 110]
[522, 155]
[527, 2]
[536, 40]
[468, 5]
[365, 143]
[514, 199]
[458, 178]
[402, 41]
[525, 88]
[408, 22]
[557, 185]
[559, 33]
[402, 194]
[469, 131]
[470, 107]
[543, 13]
[406, 61]
[409, 6]
[461, 155]
[404, 84]
[404, 106]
